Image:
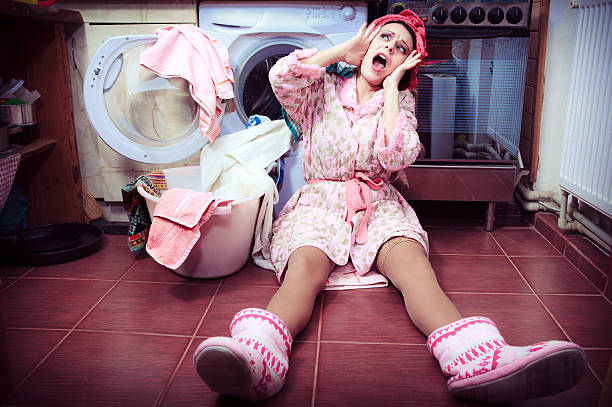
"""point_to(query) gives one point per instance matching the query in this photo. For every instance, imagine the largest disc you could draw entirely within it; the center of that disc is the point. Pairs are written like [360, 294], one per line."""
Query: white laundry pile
[235, 166]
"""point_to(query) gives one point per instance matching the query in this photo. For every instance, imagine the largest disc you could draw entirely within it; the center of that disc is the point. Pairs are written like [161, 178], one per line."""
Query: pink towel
[175, 228]
[188, 52]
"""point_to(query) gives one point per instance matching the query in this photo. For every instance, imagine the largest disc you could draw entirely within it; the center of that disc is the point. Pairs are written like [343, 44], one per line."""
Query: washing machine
[257, 34]
[150, 119]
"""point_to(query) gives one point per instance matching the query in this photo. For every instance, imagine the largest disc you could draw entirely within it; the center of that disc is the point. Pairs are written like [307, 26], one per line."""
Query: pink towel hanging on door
[188, 52]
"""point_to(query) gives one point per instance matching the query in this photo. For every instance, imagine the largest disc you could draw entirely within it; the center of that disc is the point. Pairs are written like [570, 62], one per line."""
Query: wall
[562, 24]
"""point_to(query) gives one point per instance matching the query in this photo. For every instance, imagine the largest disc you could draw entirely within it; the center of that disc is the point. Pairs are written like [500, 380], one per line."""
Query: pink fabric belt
[358, 197]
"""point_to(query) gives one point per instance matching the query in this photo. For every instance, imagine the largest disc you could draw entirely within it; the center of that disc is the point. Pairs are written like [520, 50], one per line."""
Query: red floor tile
[465, 274]
[147, 269]
[546, 224]
[553, 275]
[596, 256]
[250, 274]
[521, 319]
[587, 319]
[13, 270]
[94, 368]
[368, 315]
[587, 266]
[380, 375]
[106, 263]
[371, 353]
[152, 308]
[600, 361]
[462, 241]
[49, 303]
[20, 351]
[584, 394]
[524, 242]
[187, 389]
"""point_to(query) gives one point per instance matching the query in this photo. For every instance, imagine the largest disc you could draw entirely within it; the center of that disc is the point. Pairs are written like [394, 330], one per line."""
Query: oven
[469, 100]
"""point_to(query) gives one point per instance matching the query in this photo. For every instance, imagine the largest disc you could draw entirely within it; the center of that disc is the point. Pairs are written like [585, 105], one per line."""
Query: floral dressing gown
[341, 139]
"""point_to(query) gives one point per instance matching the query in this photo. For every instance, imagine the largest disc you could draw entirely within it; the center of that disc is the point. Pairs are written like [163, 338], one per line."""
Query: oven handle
[474, 33]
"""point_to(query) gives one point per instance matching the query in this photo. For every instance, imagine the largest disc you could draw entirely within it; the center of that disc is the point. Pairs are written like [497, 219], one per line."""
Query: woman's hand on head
[356, 48]
[393, 80]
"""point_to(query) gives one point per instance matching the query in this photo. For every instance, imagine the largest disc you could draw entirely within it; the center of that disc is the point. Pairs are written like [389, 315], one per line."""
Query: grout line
[318, 352]
[537, 296]
[594, 374]
[533, 291]
[16, 279]
[562, 253]
[106, 331]
[166, 387]
[485, 293]
[407, 344]
[57, 345]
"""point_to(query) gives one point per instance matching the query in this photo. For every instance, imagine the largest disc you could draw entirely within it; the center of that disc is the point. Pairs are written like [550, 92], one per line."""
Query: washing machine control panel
[331, 13]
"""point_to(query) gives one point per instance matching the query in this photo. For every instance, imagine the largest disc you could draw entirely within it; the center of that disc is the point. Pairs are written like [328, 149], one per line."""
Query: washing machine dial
[348, 13]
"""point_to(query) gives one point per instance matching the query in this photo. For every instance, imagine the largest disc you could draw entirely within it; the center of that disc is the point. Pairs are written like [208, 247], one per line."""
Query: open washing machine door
[138, 114]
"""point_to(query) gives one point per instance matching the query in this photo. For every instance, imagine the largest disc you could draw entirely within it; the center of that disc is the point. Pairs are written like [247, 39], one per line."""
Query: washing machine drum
[138, 114]
[253, 92]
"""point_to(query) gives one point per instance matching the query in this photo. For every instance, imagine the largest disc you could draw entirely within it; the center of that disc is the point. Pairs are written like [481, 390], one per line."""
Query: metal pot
[19, 115]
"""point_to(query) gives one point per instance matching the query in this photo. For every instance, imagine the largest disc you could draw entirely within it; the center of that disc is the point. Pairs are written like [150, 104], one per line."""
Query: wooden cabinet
[33, 48]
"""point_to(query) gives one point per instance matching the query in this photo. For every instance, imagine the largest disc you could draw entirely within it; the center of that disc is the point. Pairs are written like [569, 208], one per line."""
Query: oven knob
[439, 14]
[514, 15]
[348, 13]
[496, 15]
[477, 15]
[458, 15]
[397, 8]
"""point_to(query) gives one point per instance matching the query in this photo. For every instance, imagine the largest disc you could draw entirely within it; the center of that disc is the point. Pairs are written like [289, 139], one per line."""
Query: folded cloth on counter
[175, 229]
[139, 219]
[188, 52]
[8, 168]
[234, 166]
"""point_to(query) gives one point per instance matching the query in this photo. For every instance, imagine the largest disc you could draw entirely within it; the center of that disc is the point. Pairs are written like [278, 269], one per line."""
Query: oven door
[469, 98]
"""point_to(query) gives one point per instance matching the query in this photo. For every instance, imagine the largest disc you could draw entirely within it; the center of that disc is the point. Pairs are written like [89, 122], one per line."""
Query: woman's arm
[351, 51]
[391, 108]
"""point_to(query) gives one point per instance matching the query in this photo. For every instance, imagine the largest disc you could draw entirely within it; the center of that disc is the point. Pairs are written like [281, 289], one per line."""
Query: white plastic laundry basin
[226, 238]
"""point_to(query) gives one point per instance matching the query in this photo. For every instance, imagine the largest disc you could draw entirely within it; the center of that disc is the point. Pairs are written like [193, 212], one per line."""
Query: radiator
[586, 159]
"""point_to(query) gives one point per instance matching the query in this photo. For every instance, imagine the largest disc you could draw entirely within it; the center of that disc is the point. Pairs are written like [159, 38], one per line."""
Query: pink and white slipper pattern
[253, 363]
[483, 367]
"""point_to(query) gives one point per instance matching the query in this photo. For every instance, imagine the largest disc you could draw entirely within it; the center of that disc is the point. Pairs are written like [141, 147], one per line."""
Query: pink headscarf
[409, 18]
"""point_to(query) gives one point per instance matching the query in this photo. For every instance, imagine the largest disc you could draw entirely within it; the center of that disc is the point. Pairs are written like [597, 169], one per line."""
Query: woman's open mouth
[379, 62]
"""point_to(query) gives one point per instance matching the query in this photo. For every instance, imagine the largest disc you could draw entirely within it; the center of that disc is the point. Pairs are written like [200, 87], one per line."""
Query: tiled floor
[111, 330]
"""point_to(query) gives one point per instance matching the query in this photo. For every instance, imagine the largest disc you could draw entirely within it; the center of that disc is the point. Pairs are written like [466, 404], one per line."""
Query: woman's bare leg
[307, 271]
[409, 270]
